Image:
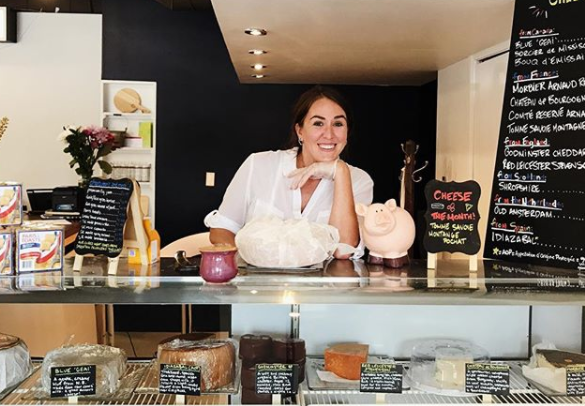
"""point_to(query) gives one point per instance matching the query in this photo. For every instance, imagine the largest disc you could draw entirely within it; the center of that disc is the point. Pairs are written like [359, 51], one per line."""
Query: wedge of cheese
[345, 360]
[558, 359]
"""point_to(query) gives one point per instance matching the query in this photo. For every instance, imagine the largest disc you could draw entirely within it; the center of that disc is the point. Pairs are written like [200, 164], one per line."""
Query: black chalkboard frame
[97, 191]
[472, 243]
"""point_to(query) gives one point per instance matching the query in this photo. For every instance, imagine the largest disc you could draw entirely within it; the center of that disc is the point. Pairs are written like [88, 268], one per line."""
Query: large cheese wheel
[110, 364]
[15, 364]
[345, 360]
[216, 359]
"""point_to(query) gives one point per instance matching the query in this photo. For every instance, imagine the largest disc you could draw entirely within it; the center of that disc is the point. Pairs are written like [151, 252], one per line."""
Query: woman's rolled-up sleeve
[231, 214]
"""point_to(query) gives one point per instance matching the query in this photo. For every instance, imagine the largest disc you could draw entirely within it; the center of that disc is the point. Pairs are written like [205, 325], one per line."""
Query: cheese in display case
[110, 364]
[438, 366]
[264, 349]
[15, 363]
[548, 368]
[216, 358]
[39, 247]
[345, 360]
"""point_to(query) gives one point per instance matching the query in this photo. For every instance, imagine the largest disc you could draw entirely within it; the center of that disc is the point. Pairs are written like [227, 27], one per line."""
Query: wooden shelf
[114, 119]
[134, 150]
[128, 115]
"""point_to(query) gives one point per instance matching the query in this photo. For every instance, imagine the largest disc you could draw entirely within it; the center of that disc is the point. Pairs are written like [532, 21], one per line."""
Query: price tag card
[381, 378]
[78, 380]
[576, 380]
[180, 379]
[487, 379]
[277, 379]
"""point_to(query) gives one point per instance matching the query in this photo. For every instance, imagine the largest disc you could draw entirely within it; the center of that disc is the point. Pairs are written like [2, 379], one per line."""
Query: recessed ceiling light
[255, 31]
[258, 66]
[256, 51]
[258, 76]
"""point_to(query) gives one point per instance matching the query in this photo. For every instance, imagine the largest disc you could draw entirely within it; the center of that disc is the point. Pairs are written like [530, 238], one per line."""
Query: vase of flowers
[87, 146]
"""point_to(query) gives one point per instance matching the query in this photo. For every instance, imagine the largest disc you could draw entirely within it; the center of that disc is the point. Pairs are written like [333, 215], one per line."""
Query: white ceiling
[394, 42]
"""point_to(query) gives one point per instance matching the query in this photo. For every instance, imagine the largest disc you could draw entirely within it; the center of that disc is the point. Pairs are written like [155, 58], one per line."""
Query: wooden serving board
[128, 101]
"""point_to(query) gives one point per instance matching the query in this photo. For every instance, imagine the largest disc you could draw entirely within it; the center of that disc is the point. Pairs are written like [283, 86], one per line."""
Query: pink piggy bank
[388, 232]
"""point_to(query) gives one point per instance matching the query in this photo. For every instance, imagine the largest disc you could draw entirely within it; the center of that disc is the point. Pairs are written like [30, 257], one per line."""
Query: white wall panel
[48, 79]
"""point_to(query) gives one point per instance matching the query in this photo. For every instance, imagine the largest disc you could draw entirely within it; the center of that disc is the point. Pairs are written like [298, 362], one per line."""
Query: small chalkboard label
[487, 379]
[381, 378]
[452, 216]
[180, 379]
[277, 379]
[576, 380]
[78, 380]
[104, 217]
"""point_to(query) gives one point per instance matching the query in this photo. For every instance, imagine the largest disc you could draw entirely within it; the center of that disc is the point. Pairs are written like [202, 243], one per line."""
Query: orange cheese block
[345, 360]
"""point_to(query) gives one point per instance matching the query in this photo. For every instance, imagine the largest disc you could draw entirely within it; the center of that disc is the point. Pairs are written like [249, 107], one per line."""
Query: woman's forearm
[343, 215]
[222, 236]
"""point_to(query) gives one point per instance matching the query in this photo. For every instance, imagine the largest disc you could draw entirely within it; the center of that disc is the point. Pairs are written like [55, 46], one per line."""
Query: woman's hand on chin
[317, 170]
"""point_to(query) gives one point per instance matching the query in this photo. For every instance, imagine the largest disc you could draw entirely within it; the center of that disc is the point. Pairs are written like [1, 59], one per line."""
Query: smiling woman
[307, 181]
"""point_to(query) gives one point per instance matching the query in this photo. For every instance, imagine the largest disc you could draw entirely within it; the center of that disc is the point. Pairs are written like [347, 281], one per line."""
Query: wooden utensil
[128, 101]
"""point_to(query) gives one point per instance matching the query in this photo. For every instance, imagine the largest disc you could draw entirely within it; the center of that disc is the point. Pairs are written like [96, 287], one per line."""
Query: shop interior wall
[48, 79]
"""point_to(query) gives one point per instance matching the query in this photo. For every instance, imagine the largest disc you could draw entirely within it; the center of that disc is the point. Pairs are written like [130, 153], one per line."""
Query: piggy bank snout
[384, 219]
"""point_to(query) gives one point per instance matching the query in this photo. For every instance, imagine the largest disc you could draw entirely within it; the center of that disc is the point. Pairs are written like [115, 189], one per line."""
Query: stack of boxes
[27, 247]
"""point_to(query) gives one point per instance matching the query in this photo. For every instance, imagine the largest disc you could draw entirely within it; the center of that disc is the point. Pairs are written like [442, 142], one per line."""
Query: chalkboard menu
[381, 378]
[575, 380]
[76, 380]
[537, 210]
[487, 379]
[452, 217]
[104, 217]
[277, 379]
[180, 379]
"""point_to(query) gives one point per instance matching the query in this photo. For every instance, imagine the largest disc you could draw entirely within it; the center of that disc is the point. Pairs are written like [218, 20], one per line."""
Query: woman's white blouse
[260, 187]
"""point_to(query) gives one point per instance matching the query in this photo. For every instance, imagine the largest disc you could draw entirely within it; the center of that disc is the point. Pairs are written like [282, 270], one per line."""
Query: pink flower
[98, 136]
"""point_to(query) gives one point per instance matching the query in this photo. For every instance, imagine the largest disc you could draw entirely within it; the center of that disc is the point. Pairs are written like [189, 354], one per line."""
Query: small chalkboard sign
[576, 380]
[487, 379]
[78, 380]
[452, 216]
[277, 379]
[104, 217]
[381, 378]
[180, 379]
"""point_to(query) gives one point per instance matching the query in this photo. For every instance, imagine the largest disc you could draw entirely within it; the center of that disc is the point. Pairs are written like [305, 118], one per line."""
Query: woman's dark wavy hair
[304, 103]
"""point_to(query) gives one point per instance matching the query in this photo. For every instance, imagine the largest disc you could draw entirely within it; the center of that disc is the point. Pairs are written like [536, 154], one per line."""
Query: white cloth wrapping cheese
[552, 378]
[15, 365]
[271, 242]
[110, 364]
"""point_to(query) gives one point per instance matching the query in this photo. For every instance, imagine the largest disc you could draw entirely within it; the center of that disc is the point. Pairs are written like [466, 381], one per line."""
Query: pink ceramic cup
[218, 263]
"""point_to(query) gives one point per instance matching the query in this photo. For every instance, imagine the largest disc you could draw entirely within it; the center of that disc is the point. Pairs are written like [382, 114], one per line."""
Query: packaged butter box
[10, 204]
[6, 252]
[39, 248]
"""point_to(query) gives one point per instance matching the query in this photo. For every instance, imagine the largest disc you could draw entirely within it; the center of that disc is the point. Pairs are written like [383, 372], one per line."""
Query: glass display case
[335, 283]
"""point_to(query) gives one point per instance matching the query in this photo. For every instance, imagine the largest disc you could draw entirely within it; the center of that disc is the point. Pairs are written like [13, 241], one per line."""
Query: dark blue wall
[208, 121]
